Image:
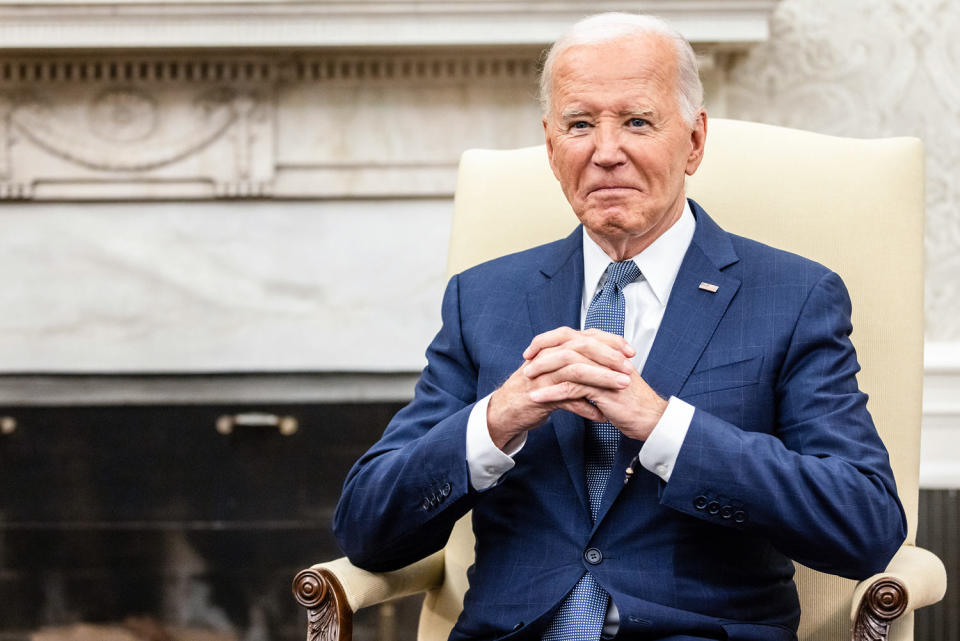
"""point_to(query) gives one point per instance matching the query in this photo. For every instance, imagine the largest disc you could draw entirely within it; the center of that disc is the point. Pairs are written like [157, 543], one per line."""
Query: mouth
[611, 190]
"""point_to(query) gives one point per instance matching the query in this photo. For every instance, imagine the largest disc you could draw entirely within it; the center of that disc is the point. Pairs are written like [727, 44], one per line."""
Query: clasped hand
[587, 372]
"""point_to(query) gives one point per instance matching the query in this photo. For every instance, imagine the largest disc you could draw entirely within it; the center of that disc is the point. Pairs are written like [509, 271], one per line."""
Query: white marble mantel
[350, 23]
[195, 186]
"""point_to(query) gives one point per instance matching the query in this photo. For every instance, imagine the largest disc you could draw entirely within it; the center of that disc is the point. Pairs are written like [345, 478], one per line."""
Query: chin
[615, 221]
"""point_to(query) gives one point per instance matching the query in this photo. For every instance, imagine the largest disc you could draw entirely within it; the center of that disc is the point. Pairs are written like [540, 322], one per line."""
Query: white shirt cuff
[486, 462]
[661, 449]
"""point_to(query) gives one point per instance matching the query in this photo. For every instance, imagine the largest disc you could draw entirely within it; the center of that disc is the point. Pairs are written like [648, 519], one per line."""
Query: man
[652, 474]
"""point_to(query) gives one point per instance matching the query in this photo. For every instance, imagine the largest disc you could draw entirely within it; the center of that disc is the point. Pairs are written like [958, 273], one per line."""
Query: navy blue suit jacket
[781, 460]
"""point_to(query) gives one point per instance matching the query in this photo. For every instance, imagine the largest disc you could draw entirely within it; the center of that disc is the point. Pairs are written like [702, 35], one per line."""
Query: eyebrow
[640, 112]
[571, 114]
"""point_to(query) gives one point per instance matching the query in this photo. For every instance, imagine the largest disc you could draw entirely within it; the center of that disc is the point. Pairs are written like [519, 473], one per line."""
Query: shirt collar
[659, 263]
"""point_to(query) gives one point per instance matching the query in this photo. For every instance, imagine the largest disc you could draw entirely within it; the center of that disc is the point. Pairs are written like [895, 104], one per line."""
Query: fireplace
[150, 520]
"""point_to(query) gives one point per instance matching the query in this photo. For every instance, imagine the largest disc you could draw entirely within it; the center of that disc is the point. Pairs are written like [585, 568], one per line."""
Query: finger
[578, 349]
[553, 358]
[548, 339]
[585, 374]
[562, 391]
[603, 350]
[613, 340]
[582, 408]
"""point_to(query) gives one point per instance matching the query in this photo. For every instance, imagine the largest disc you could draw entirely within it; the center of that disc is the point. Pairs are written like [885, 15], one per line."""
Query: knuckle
[580, 370]
[581, 343]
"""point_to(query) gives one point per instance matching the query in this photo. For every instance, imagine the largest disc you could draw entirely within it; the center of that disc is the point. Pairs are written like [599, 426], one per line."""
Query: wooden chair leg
[329, 617]
[882, 604]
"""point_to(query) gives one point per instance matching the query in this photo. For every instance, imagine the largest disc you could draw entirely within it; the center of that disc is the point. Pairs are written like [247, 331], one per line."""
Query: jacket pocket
[738, 373]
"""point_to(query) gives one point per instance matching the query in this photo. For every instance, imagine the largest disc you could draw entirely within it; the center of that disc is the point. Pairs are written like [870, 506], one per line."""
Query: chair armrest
[333, 591]
[914, 578]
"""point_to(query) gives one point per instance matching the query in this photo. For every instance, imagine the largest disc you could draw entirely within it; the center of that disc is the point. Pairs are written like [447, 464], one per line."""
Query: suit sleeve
[401, 499]
[819, 487]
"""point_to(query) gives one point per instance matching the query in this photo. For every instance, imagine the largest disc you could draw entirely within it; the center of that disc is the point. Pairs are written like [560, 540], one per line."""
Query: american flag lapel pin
[709, 287]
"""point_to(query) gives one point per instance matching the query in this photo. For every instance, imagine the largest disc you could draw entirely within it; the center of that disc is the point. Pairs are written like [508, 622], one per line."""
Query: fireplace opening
[154, 523]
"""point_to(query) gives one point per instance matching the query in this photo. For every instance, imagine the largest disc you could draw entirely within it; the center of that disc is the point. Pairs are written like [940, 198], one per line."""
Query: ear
[698, 139]
[549, 140]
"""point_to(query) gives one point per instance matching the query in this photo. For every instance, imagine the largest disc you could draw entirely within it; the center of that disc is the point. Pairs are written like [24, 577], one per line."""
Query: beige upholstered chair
[854, 205]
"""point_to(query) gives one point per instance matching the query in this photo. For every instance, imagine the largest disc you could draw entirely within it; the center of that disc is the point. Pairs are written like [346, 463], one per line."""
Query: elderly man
[651, 474]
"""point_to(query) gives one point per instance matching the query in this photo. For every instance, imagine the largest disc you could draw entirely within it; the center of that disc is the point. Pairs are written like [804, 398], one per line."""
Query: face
[618, 142]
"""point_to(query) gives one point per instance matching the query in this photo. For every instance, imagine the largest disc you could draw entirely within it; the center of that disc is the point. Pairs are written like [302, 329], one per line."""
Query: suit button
[726, 512]
[739, 516]
[518, 626]
[434, 500]
[713, 507]
[426, 504]
[700, 502]
[445, 490]
[593, 556]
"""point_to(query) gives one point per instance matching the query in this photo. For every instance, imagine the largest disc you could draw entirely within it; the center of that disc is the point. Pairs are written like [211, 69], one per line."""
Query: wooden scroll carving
[329, 617]
[882, 604]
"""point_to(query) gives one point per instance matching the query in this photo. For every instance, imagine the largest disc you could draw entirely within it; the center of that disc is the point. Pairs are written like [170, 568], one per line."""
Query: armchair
[854, 205]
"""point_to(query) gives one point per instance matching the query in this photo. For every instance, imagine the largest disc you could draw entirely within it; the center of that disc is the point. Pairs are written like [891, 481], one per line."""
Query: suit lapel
[691, 317]
[556, 303]
[692, 313]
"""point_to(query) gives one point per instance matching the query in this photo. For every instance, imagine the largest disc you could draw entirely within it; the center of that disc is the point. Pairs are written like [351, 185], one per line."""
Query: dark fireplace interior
[150, 519]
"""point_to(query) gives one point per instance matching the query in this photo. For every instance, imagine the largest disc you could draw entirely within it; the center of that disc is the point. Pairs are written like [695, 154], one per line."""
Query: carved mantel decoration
[132, 128]
[141, 126]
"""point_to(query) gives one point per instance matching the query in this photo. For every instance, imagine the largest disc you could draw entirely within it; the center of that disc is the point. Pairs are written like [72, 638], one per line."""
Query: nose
[607, 146]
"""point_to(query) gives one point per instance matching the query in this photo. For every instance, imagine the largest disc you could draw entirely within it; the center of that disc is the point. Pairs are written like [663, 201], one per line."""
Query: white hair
[603, 27]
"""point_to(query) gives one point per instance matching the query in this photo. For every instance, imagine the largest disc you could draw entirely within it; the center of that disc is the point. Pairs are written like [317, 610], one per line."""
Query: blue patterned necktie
[581, 615]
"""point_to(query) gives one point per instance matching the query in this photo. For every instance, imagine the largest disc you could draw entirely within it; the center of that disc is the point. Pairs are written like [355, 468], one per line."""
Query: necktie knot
[607, 309]
[622, 274]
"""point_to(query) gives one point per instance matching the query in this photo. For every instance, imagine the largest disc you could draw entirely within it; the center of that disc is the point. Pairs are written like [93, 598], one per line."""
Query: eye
[580, 124]
[637, 122]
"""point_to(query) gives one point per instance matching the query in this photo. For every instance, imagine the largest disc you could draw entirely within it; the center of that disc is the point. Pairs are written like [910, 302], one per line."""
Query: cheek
[569, 166]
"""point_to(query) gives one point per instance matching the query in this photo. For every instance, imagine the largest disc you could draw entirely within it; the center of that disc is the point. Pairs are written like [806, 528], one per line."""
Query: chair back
[854, 205]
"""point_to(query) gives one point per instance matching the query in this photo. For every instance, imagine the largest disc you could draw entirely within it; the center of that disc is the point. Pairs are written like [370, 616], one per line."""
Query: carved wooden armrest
[914, 578]
[333, 591]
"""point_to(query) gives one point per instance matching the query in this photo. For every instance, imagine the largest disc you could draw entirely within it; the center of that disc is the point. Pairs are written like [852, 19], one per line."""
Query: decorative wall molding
[940, 444]
[78, 24]
[157, 126]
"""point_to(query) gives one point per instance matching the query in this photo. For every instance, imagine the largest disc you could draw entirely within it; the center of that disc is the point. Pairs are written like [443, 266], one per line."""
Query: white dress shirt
[646, 301]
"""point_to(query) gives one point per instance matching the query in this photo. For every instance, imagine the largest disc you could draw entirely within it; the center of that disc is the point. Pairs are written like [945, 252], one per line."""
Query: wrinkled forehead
[632, 72]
